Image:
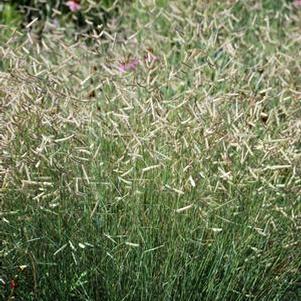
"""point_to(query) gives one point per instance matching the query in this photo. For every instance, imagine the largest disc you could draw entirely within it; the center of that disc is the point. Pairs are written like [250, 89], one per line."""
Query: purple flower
[73, 5]
[129, 65]
[55, 23]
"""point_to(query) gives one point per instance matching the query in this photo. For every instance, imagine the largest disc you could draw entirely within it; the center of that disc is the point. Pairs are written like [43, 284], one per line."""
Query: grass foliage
[180, 180]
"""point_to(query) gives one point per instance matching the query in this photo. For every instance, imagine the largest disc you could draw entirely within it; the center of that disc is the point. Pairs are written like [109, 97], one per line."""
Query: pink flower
[12, 284]
[73, 5]
[149, 58]
[297, 3]
[130, 65]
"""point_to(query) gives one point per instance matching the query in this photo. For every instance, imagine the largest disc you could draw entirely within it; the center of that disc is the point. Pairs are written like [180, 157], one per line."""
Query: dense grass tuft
[179, 180]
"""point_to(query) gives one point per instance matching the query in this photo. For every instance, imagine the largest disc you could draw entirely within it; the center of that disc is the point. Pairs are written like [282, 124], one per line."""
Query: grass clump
[175, 179]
